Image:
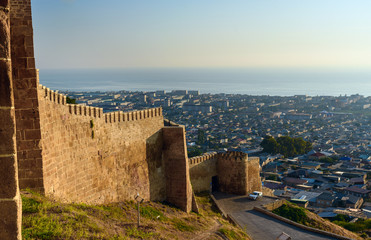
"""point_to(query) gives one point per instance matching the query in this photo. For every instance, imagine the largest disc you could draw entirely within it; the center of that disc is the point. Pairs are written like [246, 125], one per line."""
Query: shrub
[295, 214]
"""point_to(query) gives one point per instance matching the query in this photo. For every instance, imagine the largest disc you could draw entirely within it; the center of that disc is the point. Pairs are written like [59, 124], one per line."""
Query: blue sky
[202, 33]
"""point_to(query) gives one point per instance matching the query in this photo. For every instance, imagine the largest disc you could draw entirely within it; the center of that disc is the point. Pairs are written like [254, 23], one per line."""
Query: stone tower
[25, 96]
[10, 203]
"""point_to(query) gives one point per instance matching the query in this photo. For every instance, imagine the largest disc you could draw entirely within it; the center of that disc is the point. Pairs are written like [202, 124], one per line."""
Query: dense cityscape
[240, 122]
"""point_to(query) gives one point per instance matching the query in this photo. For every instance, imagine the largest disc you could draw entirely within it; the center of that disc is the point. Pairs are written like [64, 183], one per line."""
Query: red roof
[295, 180]
[317, 154]
[358, 190]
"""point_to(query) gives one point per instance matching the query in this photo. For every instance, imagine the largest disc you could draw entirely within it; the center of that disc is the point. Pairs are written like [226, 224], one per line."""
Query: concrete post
[10, 203]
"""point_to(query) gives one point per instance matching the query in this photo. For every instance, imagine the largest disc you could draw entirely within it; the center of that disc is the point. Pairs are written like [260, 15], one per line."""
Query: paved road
[258, 225]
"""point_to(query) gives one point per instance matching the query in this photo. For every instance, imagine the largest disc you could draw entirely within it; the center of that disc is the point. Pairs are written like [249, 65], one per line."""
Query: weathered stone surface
[10, 205]
[8, 181]
[111, 161]
[236, 172]
[201, 170]
[5, 84]
[25, 91]
[178, 185]
[7, 124]
[10, 218]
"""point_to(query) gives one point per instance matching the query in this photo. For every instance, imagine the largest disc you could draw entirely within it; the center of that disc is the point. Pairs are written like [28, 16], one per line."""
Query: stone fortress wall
[202, 169]
[98, 158]
[10, 201]
[236, 173]
[77, 153]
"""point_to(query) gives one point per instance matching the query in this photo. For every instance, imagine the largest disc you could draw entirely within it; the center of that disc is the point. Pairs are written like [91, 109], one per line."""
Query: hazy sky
[202, 33]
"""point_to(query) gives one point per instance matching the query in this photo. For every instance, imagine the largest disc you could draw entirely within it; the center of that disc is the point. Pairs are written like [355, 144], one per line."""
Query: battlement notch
[202, 158]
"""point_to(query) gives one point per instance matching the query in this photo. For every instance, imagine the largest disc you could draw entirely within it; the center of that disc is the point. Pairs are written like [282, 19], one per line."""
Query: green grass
[45, 219]
[358, 226]
[150, 212]
[138, 233]
[230, 234]
[182, 225]
[296, 214]
[30, 205]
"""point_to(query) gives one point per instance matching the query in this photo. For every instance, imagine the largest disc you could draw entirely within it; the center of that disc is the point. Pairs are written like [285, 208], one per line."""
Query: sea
[273, 82]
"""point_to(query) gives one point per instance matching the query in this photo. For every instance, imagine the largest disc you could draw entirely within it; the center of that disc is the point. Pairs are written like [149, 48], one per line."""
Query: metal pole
[138, 215]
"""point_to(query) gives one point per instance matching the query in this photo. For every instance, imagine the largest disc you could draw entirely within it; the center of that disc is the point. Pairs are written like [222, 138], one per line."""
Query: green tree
[273, 177]
[201, 137]
[269, 145]
[285, 145]
[193, 152]
[71, 100]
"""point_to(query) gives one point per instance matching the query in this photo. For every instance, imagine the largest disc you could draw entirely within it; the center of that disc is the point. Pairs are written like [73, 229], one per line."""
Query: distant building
[294, 181]
[298, 116]
[160, 92]
[197, 108]
[221, 104]
[317, 155]
[358, 192]
[325, 200]
[194, 92]
[179, 92]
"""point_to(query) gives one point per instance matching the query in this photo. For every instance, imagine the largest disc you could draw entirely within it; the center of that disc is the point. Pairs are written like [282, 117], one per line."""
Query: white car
[255, 195]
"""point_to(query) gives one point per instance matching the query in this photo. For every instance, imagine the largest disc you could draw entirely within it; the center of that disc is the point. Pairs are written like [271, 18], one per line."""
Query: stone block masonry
[238, 175]
[236, 172]
[93, 157]
[76, 153]
[202, 169]
[25, 96]
[10, 202]
[178, 185]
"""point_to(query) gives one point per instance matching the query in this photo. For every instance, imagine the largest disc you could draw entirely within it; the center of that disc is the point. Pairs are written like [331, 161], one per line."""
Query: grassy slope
[316, 221]
[47, 219]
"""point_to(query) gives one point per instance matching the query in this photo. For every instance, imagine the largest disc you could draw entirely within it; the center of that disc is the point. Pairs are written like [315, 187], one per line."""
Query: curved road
[258, 225]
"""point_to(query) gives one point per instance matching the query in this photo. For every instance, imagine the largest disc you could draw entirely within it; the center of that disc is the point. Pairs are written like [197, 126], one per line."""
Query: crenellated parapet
[53, 96]
[168, 123]
[237, 173]
[113, 117]
[75, 109]
[96, 112]
[233, 156]
[199, 159]
[85, 110]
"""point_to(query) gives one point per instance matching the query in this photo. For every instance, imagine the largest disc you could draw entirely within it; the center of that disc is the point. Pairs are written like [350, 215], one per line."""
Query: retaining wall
[266, 212]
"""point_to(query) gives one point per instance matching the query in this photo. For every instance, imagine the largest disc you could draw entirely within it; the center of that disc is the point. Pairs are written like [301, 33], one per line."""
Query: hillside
[44, 218]
[310, 219]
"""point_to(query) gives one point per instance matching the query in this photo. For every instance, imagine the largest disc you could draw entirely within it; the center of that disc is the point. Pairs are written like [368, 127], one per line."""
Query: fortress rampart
[10, 201]
[76, 153]
[94, 157]
[235, 172]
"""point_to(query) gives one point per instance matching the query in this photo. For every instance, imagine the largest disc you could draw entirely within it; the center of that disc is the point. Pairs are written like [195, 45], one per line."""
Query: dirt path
[212, 232]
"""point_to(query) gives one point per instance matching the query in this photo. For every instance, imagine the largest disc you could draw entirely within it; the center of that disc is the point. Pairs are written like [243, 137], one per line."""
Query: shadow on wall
[156, 167]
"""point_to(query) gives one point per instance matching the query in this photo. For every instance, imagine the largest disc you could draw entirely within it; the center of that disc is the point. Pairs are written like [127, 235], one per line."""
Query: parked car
[255, 195]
